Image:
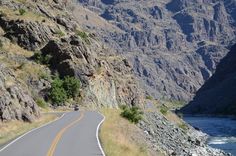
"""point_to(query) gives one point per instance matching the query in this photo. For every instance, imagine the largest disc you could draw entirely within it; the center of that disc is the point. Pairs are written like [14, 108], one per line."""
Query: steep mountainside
[42, 42]
[174, 45]
[48, 29]
[218, 94]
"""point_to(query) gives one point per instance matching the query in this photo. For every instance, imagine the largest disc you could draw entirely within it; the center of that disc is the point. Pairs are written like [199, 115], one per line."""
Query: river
[222, 131]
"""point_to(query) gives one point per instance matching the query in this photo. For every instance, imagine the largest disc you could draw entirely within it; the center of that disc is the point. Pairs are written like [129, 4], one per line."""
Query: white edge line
[98, 127]
[12, 142]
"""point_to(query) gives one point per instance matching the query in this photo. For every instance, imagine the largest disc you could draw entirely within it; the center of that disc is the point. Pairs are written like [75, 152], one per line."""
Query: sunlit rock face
[174, 45]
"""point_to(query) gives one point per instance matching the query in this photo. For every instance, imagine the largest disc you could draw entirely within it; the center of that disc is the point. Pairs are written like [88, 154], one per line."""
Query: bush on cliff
[41, 103]
[133, 114]
[63, 89]
[41, 59]
[71, 86]
[22, 11]
[57, 93]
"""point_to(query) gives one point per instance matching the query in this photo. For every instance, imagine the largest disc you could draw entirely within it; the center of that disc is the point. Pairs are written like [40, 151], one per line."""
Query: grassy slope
[120, 137]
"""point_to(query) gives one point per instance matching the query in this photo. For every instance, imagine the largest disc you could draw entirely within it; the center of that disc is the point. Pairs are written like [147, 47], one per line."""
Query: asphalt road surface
[74, 134]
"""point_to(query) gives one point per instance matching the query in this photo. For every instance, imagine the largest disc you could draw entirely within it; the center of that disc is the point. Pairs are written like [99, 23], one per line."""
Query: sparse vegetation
[42, 59]
[21, 66]
[149, 97]
[44, 75]
[60, 33]
[21, 1]
[133, 114]
[164, 110]
[22, 11]
[83, 35]
[41, 103]
[125, 141]
[183, 126]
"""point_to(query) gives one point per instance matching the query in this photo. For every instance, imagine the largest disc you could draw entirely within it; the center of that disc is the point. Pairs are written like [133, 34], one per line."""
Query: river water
[222, 131]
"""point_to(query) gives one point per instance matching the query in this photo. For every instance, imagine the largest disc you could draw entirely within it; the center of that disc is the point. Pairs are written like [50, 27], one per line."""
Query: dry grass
[11, 130]
[173, 118]
[28, 16]
[15, 49]
[23, 69]
[119, 137]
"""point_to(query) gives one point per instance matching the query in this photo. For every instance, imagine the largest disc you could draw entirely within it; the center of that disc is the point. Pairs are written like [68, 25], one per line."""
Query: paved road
[72, 135]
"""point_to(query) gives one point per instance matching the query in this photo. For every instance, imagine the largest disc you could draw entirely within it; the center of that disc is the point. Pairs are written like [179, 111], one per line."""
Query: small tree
[133, 114]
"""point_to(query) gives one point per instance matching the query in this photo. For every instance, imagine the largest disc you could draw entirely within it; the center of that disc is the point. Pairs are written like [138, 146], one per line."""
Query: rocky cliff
[15, 101]
[48, 28]
[217, 95]
[174, 45]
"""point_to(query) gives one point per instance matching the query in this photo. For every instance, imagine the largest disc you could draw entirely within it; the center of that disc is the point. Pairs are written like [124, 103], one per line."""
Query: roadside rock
[15, 102]
[174, 140]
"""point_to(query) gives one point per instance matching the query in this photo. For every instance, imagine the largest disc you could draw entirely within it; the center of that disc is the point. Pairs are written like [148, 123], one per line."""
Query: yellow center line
[59, 135]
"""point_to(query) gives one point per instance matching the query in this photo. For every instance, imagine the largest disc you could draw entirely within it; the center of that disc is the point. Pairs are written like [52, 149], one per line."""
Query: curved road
[75, 134]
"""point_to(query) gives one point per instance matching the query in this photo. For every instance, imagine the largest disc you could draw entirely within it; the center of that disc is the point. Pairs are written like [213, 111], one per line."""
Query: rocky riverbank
[175, 140]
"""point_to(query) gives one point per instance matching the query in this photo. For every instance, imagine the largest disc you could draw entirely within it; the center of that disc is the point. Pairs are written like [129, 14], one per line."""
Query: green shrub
[83, 35]
[41, 103]
[57, 93]
[63, 89]
[183, 126]
[133, 114]
[71, 86]
[22, 11]
[164, 110]
[149, 97]
[44, 75]
[60, 33]
[42, 59]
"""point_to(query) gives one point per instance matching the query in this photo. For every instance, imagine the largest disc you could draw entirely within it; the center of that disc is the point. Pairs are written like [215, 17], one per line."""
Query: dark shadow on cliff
[218, 94]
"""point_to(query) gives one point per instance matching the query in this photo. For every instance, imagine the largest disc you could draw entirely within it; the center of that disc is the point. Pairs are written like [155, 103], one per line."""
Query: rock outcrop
[218, 94]
[49, 27]
[174, 45]
[15, 101]
[107, 79]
